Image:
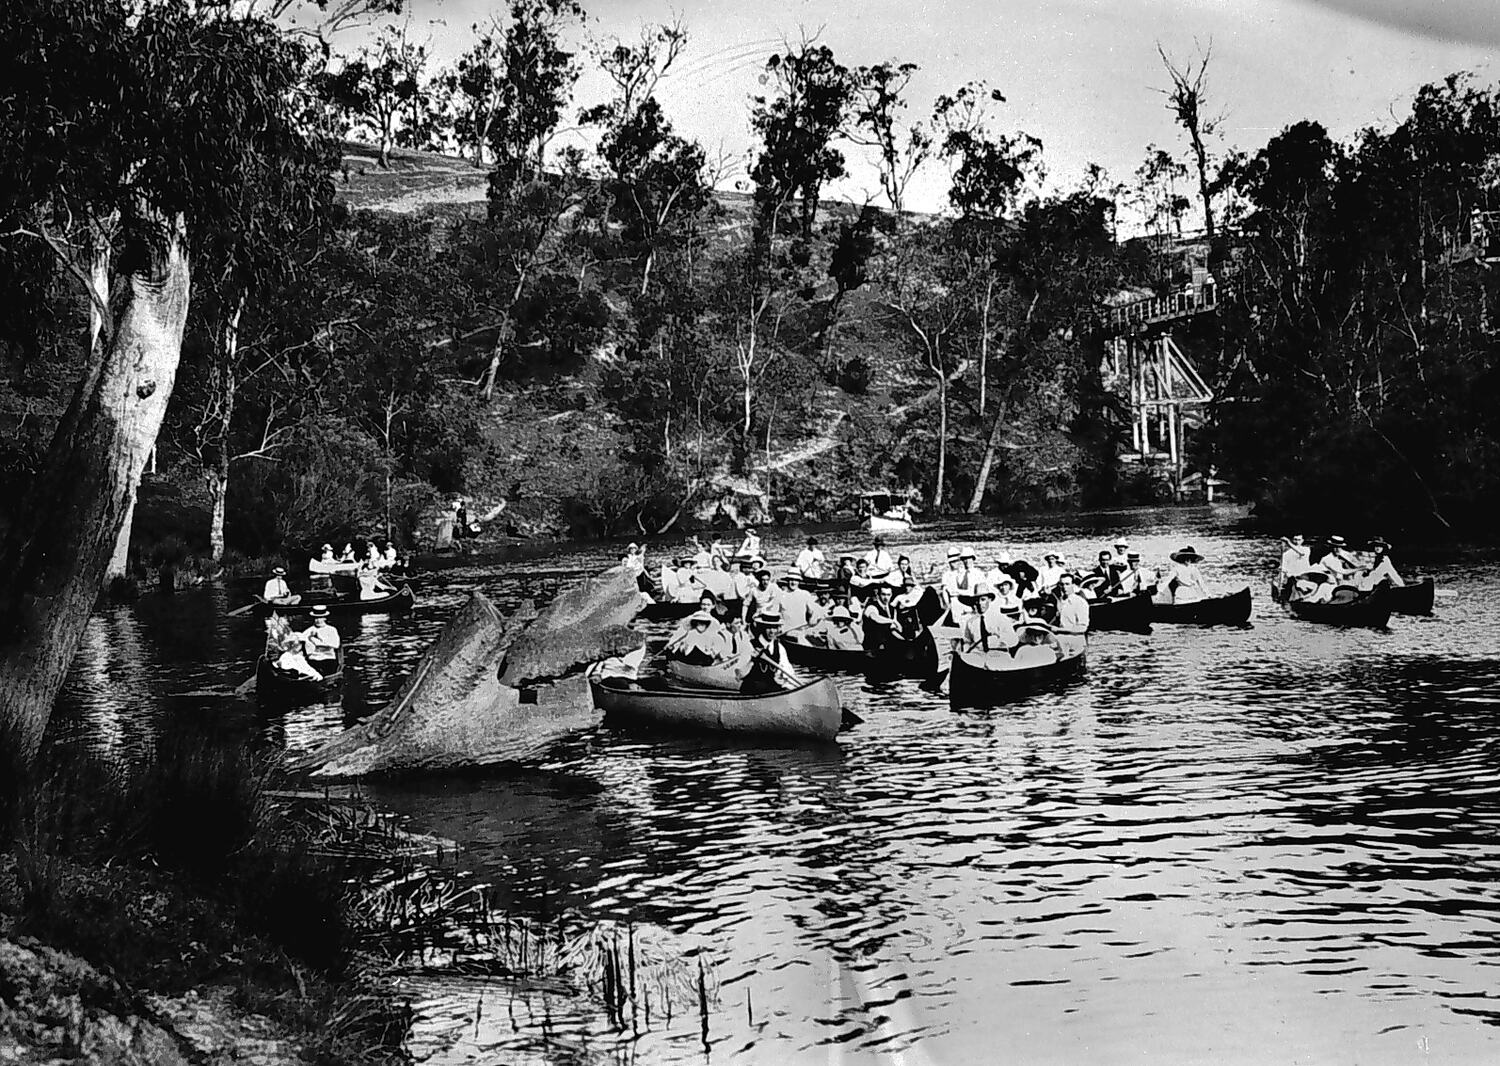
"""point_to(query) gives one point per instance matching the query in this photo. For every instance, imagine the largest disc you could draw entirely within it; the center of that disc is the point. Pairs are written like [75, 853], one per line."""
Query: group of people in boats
[368, 569]
[867, 601]
[1314, 578]
[311, 653]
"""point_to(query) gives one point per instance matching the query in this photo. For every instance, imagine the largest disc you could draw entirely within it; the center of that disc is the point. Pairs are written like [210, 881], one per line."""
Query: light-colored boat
[318, 566]
[808, 711]
[885, 512]
[726, 674]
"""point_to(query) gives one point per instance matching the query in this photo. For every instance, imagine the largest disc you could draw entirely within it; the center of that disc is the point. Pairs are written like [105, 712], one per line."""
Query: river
[1278, 843]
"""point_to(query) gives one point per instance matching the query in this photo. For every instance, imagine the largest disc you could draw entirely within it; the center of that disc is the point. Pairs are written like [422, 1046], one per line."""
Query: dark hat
[1188, 554]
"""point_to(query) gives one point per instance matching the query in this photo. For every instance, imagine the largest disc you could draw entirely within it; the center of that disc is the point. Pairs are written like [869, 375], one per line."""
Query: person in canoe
[765, 597]
[1103, 580]
[389, 557]
[286, 648]
[903, 576]
[347, 555]
[1296, 560]
[1337, 563]
[372, 583]
[1382, 570]
[948, 584]
[326, 557]
[878, 561]
[1052, 569]
[277, 592]
[838, 631]
[798, 608]
[1134, 580]
[321, 642]
[1072, 608]
[987, 628]
[860, 582]
[700, 639]
[811, 560]
[1184, 579]
[1007, 598]
[1001, 569]
[822, 604]
[751, 544]
[770, 669]
[743, 577]
[879, 619]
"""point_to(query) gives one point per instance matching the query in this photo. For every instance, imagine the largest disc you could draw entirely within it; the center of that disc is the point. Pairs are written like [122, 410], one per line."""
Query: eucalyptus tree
[132, 130]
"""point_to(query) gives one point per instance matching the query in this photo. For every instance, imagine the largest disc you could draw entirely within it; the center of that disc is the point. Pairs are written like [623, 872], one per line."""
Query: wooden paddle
[252, 605]
[247, 686]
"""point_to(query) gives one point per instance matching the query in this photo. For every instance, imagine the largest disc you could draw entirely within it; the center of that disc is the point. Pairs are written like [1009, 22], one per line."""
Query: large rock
[493, 689]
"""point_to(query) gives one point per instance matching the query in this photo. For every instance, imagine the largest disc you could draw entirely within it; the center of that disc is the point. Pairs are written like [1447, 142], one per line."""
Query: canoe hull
[1231, 610]
[668, 612]
[282, 687]
[1412, 599]
[811, 711]
[915, 658]
[1371, 610]
[979, 679]
[402, 600]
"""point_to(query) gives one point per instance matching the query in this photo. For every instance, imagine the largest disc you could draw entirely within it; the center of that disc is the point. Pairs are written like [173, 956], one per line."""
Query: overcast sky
[1078, 74]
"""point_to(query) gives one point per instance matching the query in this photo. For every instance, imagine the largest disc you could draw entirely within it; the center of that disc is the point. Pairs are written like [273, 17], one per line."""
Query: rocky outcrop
[493, 689]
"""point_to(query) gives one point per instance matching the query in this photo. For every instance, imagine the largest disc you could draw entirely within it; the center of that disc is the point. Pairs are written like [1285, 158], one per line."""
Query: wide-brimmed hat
[1005, 579]
[1121, 542]
[984, 588]
[1050, 556]
[968, 553]
[841, 614]
[320, 611]
[1379, 542]
[768, 617]
[280, 571]
[708, 595]
[1003, 559]
[700, 616]
[1188, 554]
[954, 553]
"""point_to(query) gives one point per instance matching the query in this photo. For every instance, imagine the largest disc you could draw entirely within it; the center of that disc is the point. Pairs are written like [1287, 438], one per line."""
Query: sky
[1081, 75]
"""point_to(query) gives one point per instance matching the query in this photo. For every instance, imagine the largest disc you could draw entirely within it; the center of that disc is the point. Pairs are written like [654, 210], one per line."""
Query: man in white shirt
[744, 579]
[1134, 579]
[810, 560]
[988, 628]
[765, 598]
[879, 560]
[1296, 560]
[798, 608]
[1072, 608]
[322, 642]
[949, 584]
[277, 591]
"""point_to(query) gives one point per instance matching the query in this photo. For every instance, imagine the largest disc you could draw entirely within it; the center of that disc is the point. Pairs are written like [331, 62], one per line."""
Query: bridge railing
[1190, 301]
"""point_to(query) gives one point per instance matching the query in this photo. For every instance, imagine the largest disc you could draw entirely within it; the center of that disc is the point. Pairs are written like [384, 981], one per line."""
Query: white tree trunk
[942, 460]
[60, 540]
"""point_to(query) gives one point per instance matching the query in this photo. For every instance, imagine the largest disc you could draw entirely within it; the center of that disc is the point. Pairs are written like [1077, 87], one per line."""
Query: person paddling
[810, 560]
[322, 642]
[1296, 560]
[770, 669]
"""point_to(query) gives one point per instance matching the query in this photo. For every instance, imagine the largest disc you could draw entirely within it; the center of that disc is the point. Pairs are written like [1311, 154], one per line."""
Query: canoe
[1129, 613]
[285, 687]
[1365, 609]
[318, 566]
[726, 675]
[979, 678]
[1411, 599]
[809, 711]
[668, 612]
[904, 658]
[879, 523]
[1231, 610]
[403, 599]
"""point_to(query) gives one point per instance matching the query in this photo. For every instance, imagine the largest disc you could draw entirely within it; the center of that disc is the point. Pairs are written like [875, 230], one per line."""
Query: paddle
[252, 605]
[246, 687]
[848, 717]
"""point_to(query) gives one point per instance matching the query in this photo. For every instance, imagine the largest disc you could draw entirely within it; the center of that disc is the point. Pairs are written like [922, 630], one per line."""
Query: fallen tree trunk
[492, 689]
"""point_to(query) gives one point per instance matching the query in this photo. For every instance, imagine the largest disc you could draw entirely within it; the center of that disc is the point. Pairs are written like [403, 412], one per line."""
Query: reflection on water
[1229, 845]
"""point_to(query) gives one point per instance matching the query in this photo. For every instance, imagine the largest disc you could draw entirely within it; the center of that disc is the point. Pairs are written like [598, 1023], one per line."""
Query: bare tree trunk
[55, 550]
[984, 345]
[982, 480]
[119, 559]
[218, 475]
[218, 491]
[942, 462]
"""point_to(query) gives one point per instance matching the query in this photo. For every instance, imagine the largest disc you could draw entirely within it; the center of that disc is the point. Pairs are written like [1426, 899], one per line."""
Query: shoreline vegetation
[199, 907]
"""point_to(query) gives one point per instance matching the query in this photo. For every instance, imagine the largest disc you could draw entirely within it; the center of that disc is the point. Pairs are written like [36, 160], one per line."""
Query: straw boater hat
[280, 571]
[320, 611]
[1132, 555]
[968, 553]
[841, 614]
[768, 617]
[1186, 555]
[1336, 540]
[954, 553]
[792, 574]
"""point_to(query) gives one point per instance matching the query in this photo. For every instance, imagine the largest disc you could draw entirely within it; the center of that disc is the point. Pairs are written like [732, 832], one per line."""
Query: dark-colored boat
[1231, 610]
[403, 599]
[808, 711]
[674, 611]
[1128, 614]
[1412, 599]
[285, 686]
[980, 678]
[899, 658]
[1347, 608]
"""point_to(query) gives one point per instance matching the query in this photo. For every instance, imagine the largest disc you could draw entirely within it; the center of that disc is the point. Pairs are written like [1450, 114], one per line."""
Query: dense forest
[623, 342]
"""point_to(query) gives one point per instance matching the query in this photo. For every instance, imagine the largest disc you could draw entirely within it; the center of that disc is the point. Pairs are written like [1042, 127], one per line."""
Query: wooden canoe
[900, 658]
[1365, 609]
[1130, 614]
[673, 611]
[1412, 599]
[318, 566]
[284, 687]
[809, 711]
[1230, 610]
[403, 599]
[980, 679]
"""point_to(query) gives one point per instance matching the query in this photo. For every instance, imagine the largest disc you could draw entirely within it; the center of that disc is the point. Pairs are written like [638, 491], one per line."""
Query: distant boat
[885, 512]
